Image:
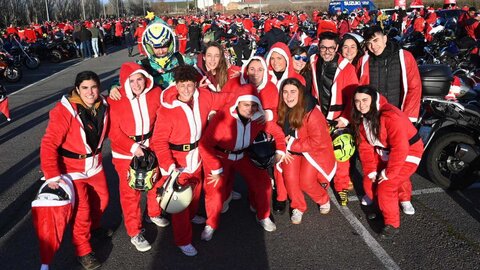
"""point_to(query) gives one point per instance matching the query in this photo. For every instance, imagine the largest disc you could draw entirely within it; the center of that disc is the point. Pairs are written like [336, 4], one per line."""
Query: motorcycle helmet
[174, 197]
[343, 144]
[158, 35]
[62, 193]
[262, 151]
[143, 172]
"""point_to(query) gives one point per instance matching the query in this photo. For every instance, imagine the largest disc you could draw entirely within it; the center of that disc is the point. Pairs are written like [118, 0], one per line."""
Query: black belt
[183, 147]
[236, 152]
[143, 137]
[295, 153]
[69, 154]
[336, 108]
[412, 141]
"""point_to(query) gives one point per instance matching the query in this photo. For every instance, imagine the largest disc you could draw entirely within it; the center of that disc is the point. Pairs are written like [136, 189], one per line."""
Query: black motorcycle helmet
[262, 151]
[143, 172]
[59, 194]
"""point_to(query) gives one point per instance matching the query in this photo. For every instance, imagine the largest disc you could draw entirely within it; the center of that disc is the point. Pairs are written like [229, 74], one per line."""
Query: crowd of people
[198, 116]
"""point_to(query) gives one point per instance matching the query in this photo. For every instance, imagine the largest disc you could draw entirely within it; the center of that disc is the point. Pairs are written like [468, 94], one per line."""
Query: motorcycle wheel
[55, 56]
[442, 166]
[12, 74]
[32, 62]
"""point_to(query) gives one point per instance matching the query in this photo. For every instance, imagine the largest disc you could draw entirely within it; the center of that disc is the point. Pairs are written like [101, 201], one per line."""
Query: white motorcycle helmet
[173, 197]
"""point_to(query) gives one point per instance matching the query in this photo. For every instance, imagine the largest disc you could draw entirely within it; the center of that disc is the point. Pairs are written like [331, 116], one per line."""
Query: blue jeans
[86, 47]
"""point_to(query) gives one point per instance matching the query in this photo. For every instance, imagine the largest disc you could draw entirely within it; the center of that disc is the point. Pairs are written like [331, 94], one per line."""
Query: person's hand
[115, 93]
[235, 74]
[213, 179]
[203, 83]
[55, 184]
[287, 139]
[340, 124]
[278, 157]
[139, 152]
[380, 179]
[287, 158]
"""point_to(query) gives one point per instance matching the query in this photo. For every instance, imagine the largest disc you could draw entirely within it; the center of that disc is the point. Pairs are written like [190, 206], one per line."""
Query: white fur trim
[413, 159]
[121, 156]
[217, 172]
[290, 142]
[413, 119]
[404, 77]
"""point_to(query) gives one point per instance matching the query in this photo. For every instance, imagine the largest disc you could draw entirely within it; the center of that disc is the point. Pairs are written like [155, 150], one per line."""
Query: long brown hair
[295, 114]
[373, 115]
[221, 75]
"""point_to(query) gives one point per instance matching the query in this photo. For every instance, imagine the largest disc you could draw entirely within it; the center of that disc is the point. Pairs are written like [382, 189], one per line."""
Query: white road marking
[414, 193]
[373, 244]
[44, 79]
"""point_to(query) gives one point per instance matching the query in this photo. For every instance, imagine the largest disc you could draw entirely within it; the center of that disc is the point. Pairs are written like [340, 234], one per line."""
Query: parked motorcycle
[22, 56]
[7, 68]
[449, 129]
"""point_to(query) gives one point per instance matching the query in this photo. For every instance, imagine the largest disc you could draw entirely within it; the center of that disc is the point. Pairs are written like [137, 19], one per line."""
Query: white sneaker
[226, 203]
[296, 217]
[325, 208]
[207, 233]
[188, 250]
[159, 221]
[407, 208]
[366, 200]
[268, 224]
[198, 220]
[236, 195]
[140, 243]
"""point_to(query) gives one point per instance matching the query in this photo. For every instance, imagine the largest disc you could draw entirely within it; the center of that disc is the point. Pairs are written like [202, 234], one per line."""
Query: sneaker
[296, 217]
[366, 200]
[140, 243]
[226, 205]
[198, 220]
[188, 250]
[159, 221]
[267, 224]
[236, 195]
[407, 208]
[89, 261]
[325, 208]
[343, 197]
[389, 232]
[279, 207]
[207, 233]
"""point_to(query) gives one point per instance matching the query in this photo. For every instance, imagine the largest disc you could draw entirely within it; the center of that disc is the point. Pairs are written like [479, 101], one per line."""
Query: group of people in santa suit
[204, 121]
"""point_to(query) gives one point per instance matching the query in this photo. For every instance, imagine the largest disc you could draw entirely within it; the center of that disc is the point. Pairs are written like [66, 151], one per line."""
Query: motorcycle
[22, 56]
[450, 129]
[7, 68]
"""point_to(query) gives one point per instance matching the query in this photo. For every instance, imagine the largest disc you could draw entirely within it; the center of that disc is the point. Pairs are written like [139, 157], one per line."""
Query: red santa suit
[395, 156]
[177, 132]
[344, 83]
[118, 29]
[282, 49]
[131, 126]
[223, 150]
[181, 30]
[268, 95]
[411, 83]
[65, 153]
[313, 166]
[138, 35]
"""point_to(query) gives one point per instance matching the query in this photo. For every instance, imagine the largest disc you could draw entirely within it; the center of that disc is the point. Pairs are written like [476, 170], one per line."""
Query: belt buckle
[186, 147]
[83, 156]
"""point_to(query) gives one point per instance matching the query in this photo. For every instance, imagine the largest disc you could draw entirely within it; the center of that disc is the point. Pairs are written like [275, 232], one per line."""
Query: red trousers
[91, 200]
[342, 176]
[130, 199]
[258, 185]
[300, 176]
[181, 222]
[392, 191]
[182, 45]
[279, 185]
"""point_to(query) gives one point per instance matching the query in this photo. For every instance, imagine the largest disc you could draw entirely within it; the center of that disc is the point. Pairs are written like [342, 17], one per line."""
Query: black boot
[279, 207]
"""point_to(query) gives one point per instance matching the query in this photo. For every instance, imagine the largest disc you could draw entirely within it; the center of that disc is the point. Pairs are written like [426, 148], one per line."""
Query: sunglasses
[300, 57]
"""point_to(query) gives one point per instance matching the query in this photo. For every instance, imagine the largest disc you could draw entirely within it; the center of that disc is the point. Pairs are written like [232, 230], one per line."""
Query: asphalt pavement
[443, 233]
